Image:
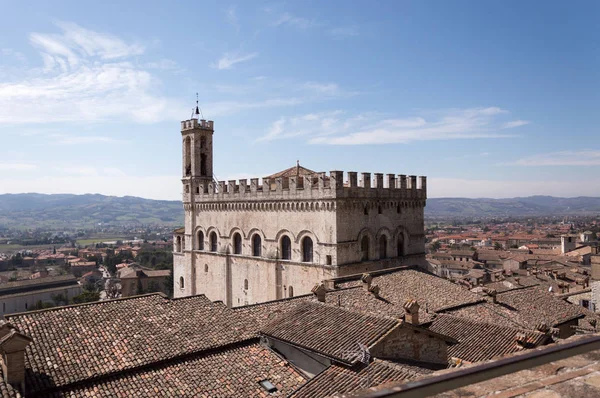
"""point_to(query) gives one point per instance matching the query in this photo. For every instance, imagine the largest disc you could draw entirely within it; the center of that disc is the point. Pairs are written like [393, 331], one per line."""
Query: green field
[6, 248]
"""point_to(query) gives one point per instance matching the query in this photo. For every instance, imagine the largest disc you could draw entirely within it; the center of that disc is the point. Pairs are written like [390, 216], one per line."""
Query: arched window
[213, 241]
[400, 245]
[256, 245]
[383, 246]
[200, 240]
[188, 157]
[203, 164]
[178, 244]
[291, 291]
[286, 248]
[237, 243]
[181, 283]
[307, 250]
[364, 248]
[245, 284]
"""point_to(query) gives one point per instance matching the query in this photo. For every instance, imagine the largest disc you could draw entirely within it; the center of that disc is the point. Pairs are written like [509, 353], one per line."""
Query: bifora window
[286, 248]
[213, 241]
[237, 243]
[307, 250]
[256, 245]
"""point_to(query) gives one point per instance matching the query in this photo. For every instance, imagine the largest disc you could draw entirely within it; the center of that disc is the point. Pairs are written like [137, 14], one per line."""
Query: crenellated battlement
[317, 186]
[197, 124]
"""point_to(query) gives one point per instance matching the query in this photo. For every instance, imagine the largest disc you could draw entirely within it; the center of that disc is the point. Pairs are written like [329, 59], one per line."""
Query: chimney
[412, 312]
[366, 280]
[592, 322]
[374, 290]
[523, 341]
[12, 347]
[319, 291]
[542, 327]
[491, 293]
[518, 280]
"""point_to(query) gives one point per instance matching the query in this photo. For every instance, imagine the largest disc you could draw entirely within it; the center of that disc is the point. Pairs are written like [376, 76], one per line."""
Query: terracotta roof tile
[328, 330]
[480, 341]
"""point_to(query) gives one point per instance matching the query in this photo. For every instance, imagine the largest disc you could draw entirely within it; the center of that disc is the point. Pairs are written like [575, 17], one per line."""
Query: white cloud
[465, 188]
[9, 52]
[227, 61]
[563, 158]
[151, 187]
[87, 77]
[346, 31]
[17, 166]
[78, 170]
[443, 125]
[515, 123]
[289, 19]
[62, 139]
[232, 18]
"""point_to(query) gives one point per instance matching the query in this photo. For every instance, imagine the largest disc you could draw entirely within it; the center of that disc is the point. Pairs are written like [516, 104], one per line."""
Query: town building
[246, 243]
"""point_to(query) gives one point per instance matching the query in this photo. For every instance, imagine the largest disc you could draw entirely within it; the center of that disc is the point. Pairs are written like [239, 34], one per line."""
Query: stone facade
[245, 243]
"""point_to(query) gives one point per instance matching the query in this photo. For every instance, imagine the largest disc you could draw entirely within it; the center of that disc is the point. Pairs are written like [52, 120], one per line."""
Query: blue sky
[488, 99]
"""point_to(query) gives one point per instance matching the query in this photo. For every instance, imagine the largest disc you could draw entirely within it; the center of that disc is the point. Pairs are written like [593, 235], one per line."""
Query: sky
[487, 99]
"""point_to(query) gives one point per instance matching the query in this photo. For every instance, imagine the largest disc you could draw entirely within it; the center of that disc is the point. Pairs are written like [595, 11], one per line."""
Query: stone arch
[365, 232]
[236, 242]
[306, 232]
[256, 231]
[307, 246]
[199, 238]
[256, 245]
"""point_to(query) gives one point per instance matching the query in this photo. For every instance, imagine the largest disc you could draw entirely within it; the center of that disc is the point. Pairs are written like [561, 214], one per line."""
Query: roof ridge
[87, 304]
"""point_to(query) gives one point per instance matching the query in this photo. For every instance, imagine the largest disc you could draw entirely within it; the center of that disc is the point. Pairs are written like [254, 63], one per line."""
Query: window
[379, 210]
[307, 250]
[366, 211]
[245, 284]
[585, 303]
[286, 248]
[203, 164]
[181, 283]
[398, 209]
[256, 245]
[200, 240]
[205, 267]
[213, 241]
[237, 243]
[383, 246]
[364, 248]
[188, 157]
[400, 246]
[328, 259]
[291, 291]
[178, 244]
[187, 188]
[197, 189]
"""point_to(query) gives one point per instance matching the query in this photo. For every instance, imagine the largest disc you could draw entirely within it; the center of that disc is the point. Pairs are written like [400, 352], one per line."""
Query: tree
[86, 297]
[435, 246]
[497, 246]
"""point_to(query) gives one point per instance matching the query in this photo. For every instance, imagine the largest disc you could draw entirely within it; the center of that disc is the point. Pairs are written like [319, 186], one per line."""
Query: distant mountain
[37, 210]
[517, 207]
[33, 210]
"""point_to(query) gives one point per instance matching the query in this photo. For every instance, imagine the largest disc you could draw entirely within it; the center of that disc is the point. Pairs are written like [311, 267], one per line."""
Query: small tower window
[328, 259]
[245, 284]
[213, 241]
[237, 243]
[188, 157]
[291, 291]
[181, 283]
[366, 211]
[307, 250]
[178, 244]
[286, 248]
[379, 210]
[205, 267]
[256, 245]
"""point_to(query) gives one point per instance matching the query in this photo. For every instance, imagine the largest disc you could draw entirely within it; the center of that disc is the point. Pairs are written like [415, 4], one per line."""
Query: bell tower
[197, 139]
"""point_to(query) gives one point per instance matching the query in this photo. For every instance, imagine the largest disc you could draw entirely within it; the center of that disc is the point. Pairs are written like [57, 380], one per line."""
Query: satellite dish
[550, 289]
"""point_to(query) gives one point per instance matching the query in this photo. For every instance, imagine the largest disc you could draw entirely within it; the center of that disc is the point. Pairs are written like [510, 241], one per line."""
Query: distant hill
[37, 210]
[33, 210]
[517, 207]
